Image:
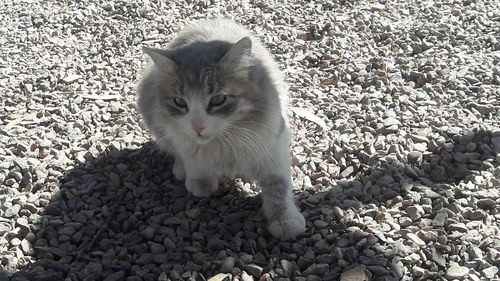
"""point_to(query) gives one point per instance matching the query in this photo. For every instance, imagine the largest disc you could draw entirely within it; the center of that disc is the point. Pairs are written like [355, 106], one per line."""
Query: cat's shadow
[124, 209]
[123, 212]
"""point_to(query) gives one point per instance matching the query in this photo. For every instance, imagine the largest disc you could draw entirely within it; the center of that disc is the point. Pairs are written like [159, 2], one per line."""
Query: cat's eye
[180, 102]
[217, 100]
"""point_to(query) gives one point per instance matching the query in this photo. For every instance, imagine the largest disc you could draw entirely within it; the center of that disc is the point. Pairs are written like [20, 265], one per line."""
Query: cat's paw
[203, 187]
[178, 169]
[289, 225]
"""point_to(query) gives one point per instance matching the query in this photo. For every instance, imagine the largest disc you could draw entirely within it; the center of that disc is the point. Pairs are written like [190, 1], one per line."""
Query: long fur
[250, 139]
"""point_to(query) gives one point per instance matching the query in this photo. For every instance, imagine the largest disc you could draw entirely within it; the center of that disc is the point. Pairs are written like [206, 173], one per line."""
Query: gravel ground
[396, 115]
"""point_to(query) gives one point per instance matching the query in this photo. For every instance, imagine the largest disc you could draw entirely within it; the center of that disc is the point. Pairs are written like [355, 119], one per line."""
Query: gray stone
[437, 257]
[246, 277]
[457, 272]
[490, 272]
[227, 265]
[52, 210]
[232, 218]
[287, 267]
[68, 230]
[117, 276]
[156, 248]
[486, 204]
[12, 211]
[417, 138]
[160, 258]
[163, 277]
[144, 259]
[390, 121]
[316, 269]
[23, 223]
[415, 239]
[254, 270]
[93, 267]
[148, 233]
[357, 273]
[15, 241]
[458, 227]
[418, 271]
[169, 244]
[26, 247]
[5, 227]
[415, 157]
[475, 215]
[415, 212]
[440, 219]
[220, 277]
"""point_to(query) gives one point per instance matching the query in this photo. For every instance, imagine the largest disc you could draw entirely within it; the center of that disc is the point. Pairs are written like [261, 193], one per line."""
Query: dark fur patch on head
[197, 64]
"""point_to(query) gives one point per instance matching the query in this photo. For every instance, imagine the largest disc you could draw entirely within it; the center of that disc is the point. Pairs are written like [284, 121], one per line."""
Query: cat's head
[205, 88]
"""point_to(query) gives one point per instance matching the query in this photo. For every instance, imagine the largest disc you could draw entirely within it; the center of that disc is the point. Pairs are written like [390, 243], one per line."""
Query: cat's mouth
[203, 139]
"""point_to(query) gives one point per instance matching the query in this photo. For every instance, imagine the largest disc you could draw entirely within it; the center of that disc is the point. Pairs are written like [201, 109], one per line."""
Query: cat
[215, 99]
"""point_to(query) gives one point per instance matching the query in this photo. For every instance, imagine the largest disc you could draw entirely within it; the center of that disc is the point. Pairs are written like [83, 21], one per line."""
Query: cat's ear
[161, 61]
[238, 55]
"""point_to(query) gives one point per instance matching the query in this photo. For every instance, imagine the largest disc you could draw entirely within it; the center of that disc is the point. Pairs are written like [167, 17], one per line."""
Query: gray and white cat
[215, 99]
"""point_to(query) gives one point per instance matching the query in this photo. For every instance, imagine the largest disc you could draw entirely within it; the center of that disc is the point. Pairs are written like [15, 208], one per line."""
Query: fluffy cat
[215, 99]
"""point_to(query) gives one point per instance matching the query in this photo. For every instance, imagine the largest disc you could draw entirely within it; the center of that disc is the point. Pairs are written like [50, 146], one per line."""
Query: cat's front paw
[203, 187]
[289, 225]
[178, 169]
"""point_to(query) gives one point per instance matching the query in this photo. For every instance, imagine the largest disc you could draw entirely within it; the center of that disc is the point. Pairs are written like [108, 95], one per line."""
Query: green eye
[217, 100]
[180, 102]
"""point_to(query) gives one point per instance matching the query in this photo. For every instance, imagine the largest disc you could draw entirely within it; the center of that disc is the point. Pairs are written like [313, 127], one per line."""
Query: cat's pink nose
[198, 130]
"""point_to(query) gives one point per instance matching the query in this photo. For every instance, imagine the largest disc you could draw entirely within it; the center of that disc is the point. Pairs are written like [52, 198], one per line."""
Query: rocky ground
[396, 115]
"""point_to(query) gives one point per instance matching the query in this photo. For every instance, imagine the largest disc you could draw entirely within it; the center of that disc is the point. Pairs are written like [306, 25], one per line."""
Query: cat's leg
[285, 220]
[199, 182]
[178, 169]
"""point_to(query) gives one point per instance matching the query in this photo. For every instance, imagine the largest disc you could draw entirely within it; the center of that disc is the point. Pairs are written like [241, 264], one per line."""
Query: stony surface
[395, 111]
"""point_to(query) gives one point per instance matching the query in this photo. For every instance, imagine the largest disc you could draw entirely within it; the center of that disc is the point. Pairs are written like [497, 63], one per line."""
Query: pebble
[68, 230]
[148, 233]
[163, 277]
[156, 248]
[414, 238]
[144, 259]
[254, 270]
[119, 275]
[23, 223]
[437, 257]
[287, 267]
[52, 210]
[15, 241]
[5, 227]
[26, 247]
[418, 271]
[490, 272]
[460, 227]
[415, 212]
[486, 204]
[357, 273]
[440, 219]
[220, 277]
[12, 211]
[169, 244]
[316, 269]
[227, 265]
[415, 157]
[457, 272]
[427, 235]
[246, 277]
